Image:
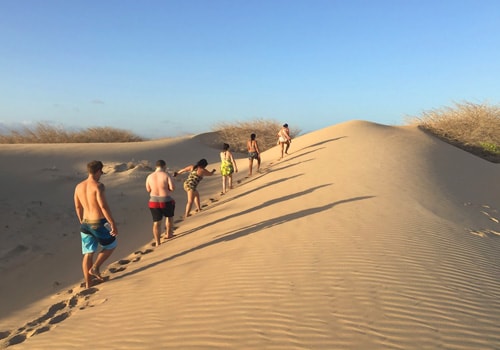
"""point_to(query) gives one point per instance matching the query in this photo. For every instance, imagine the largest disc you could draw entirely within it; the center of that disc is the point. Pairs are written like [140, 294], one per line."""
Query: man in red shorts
[160, 186]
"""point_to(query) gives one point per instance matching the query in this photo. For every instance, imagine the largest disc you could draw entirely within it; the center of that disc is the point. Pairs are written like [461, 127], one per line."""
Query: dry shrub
[237, 133]
[106, 135]
[471, 127]
[44, 133]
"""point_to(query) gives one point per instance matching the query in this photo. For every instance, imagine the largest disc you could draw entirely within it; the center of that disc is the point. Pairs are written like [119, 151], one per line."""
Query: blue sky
[169, 68]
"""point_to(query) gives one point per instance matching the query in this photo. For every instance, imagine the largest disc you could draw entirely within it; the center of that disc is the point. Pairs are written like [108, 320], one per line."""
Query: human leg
[258, 163]
[287, 147]
[197, 200]
[157, 215]
[189, 204]
[230, 181]
[169, 227]
[86, 266]
[250, 165]
[223, 184]
[89, 246]
[156, 232]
[101, 258]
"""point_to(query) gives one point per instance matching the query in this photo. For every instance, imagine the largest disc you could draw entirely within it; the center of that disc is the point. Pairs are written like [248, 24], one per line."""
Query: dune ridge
[365, 236]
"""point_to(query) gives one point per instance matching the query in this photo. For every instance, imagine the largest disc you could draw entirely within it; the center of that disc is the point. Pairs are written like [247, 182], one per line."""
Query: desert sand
[366, 236]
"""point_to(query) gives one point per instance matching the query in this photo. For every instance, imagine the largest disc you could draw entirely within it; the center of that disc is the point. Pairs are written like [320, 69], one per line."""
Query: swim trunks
[253, 155]
[192, 181]
[93, 234]
[226, 167]
[161, 206]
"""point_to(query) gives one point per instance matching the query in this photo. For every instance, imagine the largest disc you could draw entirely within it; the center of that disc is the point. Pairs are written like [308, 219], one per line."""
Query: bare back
[159, 184]
[252, 146]
[89, 200]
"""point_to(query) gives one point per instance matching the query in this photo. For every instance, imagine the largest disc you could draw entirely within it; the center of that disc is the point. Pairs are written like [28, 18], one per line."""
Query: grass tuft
[44, 133]
[474, 128]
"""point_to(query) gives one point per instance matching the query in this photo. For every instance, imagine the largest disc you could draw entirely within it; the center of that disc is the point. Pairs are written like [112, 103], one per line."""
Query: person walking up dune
[253, 153]
[196, 174]
[160, 187]
[284, 139]
[98, 228]
[227, 168]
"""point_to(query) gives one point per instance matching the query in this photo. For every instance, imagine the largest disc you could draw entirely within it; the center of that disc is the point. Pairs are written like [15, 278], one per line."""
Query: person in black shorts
[160, 187]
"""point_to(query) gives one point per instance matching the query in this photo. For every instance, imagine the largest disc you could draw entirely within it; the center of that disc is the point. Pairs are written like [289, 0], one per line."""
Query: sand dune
[365, 237]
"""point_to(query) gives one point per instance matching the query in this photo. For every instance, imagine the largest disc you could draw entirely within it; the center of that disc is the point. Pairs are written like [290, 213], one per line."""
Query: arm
[148, 186]
[256, 147]
[233, 161]
[78, 207]
[188, 168]
[287, 135]
[205, 172]
[171, 185]
[103, 204]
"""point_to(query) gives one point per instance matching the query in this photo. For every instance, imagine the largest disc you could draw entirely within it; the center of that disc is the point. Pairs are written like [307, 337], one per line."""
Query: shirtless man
[253, 153]
[284, 139]
[160, 186]
[97, 224]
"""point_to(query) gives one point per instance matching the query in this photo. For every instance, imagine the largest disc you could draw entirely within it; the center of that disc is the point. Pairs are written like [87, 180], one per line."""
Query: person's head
[285, 125]
[202, 163]
[252, 137]
[225, 147]
[95, 167]
[161, 164]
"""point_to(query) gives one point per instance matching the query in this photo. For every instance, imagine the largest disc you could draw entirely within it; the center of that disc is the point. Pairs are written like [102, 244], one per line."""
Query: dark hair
[252, 137]
[285, 125]
[94, 166]
[160, 163]
[202, 163]
[225, 147]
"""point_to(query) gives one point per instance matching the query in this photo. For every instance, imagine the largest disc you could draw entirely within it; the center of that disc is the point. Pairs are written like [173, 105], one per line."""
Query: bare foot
[94, 271]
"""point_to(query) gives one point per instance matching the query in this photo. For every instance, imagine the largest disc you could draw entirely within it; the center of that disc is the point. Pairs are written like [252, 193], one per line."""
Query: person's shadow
[241, 232]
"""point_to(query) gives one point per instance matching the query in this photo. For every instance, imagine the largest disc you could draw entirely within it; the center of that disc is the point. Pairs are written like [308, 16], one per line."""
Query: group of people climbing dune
[98, 228]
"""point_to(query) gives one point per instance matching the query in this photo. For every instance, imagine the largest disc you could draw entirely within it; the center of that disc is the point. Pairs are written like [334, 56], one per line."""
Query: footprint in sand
[115, 270]
[54, 315]
[123, 262]
[63, 309]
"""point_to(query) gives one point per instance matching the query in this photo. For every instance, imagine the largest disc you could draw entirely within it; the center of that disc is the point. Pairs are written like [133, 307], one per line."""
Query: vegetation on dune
[474, 128]
[44, 133]
[237, 133]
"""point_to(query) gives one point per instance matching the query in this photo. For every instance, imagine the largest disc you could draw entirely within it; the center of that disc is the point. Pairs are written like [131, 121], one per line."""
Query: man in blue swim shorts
[160, 187]
[98, 228]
